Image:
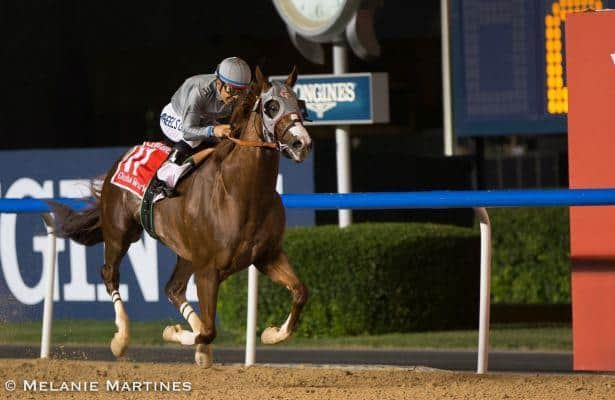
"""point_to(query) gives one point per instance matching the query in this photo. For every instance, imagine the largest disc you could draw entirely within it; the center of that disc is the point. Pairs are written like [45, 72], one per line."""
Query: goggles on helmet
[233, 90]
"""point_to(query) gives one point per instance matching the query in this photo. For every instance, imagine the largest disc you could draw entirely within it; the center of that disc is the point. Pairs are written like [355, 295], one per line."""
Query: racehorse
[227, 217]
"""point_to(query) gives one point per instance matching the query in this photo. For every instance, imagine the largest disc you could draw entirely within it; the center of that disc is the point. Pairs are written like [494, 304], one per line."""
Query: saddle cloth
[139, 165]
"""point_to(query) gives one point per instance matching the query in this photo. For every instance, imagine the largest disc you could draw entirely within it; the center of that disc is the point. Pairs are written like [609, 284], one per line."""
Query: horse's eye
[272, 108]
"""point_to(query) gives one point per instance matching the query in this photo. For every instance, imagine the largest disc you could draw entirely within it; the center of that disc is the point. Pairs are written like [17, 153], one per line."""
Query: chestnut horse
[227, 217]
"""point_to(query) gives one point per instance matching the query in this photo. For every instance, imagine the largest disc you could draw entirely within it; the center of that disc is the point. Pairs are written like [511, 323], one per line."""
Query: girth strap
[147, 211]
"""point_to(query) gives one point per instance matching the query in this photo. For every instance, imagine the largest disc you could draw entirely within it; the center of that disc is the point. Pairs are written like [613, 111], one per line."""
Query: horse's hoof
[119, 344]
[271, 335]
[169, 333]
[204, 356]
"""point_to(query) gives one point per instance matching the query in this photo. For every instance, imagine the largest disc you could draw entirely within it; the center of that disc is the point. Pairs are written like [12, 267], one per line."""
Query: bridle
[288, 105]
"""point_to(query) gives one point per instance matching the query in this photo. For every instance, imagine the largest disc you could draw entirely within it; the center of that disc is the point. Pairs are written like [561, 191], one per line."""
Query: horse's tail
[83, 227]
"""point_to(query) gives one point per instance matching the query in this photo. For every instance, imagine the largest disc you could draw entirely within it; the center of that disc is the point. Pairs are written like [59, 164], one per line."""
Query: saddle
[152, 195]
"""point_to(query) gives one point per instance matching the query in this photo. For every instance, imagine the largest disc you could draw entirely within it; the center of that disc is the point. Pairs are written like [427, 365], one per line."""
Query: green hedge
[531, 249]
[369, 279]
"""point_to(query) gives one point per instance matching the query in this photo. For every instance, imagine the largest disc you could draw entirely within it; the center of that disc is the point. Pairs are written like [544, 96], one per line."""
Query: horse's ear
[292, 77]
[261, 80]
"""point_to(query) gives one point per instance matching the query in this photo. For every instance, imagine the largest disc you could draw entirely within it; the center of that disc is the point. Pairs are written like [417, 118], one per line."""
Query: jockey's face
[228, 94]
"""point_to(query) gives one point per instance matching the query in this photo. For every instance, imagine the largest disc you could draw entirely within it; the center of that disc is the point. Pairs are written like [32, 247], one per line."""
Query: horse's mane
[239, 118]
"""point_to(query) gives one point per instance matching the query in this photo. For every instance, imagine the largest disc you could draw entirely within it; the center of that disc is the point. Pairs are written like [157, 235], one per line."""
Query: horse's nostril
[297, 144]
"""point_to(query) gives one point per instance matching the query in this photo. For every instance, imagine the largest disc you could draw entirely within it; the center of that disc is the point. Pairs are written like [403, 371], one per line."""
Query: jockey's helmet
[234, 72]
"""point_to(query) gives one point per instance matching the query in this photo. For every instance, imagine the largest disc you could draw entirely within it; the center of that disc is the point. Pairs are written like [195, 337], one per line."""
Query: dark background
[80, 74]
[90, 74]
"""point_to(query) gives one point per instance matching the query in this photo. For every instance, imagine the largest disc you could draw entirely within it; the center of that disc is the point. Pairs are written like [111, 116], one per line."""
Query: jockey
[193, 117]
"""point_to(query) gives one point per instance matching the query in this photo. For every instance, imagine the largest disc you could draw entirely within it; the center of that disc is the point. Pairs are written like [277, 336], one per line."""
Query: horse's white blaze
[300, 133]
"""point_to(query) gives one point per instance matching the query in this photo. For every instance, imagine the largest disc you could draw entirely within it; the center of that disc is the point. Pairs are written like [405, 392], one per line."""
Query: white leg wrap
[115, 295]
[170, 172]
[189, 315]
[121, 338]
[118, 305]
[187, 338]
[175, 333]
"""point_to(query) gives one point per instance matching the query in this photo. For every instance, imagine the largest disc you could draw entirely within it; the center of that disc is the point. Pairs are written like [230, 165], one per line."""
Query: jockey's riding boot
[160, 186]
[177, 165]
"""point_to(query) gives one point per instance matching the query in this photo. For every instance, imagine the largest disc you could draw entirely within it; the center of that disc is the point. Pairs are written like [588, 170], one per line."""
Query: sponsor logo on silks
[322, 97]
[171, 121]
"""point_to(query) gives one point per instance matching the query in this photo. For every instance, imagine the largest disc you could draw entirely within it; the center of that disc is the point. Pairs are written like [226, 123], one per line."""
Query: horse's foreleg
[176, 292]
[207, 283]
[111, 276]
[281, 272]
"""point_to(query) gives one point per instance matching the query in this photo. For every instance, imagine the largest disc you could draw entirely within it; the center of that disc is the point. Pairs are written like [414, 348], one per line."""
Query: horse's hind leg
[111, 276]
[281, 272]
[119, 230]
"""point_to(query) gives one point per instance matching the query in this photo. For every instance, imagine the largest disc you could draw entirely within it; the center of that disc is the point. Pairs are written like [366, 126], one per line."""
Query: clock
[317, 20]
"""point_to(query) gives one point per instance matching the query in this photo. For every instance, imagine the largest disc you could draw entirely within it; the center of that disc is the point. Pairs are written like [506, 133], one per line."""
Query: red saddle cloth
[137, 168]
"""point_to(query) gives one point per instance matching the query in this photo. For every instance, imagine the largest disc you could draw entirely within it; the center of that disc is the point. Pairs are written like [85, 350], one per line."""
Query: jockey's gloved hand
[222, 130]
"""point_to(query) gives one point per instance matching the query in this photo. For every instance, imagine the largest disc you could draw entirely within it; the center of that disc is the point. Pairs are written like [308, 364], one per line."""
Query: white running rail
[48, 302]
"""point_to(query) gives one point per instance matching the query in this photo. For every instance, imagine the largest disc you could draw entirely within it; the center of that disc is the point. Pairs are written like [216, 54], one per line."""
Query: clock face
[318, 10]
[318, 20]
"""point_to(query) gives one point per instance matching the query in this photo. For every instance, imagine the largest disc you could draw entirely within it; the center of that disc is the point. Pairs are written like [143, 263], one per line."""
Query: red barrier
[590, 69]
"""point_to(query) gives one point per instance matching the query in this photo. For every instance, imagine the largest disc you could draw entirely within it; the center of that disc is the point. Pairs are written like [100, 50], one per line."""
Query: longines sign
[361, 98]
[79, 292]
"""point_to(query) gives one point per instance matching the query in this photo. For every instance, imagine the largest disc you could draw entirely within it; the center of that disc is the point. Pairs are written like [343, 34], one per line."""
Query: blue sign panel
[79, 291]
[344, 99]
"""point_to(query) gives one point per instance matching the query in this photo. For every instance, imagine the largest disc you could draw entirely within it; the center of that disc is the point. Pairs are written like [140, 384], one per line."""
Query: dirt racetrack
[129, 380]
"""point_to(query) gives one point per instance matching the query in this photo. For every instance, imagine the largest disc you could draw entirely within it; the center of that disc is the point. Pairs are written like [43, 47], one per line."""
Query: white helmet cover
[235, 72]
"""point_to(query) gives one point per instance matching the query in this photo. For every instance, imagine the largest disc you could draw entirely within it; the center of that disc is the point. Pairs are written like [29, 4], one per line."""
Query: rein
[250, 143]
[253, 143]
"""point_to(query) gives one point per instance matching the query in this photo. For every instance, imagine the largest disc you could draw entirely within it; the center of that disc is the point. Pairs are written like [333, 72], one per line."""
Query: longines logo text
[322, 97]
